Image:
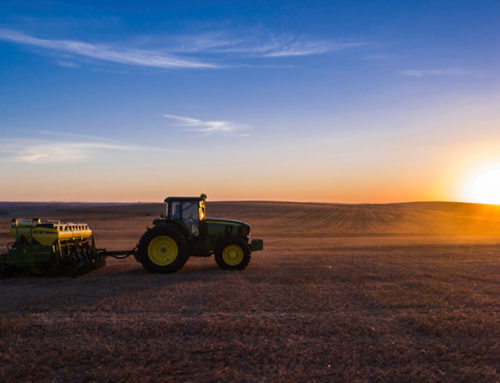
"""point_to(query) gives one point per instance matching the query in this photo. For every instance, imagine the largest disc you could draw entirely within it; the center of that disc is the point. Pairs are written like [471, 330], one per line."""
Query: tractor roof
[201, 197]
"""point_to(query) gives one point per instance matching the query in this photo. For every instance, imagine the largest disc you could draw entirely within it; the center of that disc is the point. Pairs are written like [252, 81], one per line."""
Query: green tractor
[185, 231]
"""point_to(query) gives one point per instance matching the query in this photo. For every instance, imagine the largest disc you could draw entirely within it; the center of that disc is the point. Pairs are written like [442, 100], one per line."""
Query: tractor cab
[189, 212]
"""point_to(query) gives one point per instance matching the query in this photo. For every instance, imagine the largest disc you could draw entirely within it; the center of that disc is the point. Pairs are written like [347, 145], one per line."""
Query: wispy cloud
[103, 52]
[259, 44]
[215, 49]
[435, 72]
[42, 151]
[307, 48]
[205, 126]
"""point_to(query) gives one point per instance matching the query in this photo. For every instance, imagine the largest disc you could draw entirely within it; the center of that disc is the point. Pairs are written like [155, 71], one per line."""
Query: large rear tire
[162, 249]
[232, 254]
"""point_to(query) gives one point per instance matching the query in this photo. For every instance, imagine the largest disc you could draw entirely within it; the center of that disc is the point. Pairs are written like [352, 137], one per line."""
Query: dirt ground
[341, 293]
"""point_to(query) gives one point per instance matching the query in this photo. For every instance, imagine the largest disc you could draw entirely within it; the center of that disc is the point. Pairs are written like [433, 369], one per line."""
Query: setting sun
[484, 187]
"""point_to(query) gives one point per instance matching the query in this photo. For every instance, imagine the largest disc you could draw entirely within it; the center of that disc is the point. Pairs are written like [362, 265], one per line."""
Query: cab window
[190, 216]
[175, 210]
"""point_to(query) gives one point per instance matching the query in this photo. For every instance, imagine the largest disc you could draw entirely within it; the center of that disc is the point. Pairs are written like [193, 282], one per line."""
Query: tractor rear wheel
[162, 250]
[232, 254]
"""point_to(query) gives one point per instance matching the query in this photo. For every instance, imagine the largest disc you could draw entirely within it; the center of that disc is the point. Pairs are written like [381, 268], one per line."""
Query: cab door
[191, 217]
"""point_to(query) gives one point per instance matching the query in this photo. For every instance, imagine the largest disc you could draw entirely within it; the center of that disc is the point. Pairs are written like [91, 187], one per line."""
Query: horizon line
[253, 200]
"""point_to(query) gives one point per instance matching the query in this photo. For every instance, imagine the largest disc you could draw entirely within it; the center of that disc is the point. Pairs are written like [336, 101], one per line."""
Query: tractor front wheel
[162, 250]
[232, 254]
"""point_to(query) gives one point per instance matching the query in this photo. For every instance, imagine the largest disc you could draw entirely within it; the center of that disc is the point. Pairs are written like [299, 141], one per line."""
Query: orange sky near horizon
[379, 186]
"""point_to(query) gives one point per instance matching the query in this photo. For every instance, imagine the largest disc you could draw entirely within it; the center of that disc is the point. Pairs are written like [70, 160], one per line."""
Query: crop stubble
[401, 292]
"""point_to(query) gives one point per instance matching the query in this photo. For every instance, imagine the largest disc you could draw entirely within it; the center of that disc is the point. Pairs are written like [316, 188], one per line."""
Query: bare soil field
[341, 293]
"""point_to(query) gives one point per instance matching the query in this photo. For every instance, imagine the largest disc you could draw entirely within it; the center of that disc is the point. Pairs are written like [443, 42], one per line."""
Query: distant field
[354, 293]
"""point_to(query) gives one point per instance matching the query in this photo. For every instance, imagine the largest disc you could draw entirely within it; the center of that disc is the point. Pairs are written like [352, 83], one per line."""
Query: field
[341, 293]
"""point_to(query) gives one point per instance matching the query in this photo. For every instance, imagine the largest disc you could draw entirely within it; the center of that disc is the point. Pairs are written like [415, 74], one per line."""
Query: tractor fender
[176, 225]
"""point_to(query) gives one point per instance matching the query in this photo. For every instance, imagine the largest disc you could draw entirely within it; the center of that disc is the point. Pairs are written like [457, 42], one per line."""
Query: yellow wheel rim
[232, 255]
[162, 250]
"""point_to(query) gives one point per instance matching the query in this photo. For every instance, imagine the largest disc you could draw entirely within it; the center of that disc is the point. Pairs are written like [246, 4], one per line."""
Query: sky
[333, 101]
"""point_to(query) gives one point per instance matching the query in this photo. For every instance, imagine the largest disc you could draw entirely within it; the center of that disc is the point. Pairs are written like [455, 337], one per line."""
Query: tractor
[185, 231]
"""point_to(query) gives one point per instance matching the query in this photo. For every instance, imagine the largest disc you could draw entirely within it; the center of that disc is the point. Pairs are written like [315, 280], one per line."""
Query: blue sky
[325, 101]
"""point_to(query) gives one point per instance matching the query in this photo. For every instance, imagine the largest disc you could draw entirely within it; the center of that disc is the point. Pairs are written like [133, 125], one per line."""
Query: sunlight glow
[484, 187]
